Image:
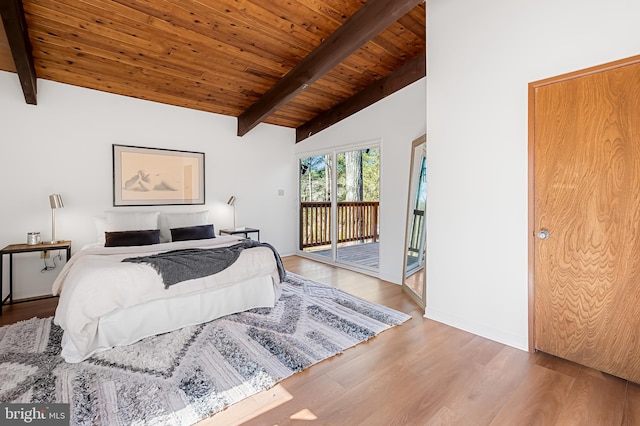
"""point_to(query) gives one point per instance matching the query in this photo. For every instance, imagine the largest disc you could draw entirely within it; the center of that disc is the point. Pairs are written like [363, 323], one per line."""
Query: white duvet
[96, 284]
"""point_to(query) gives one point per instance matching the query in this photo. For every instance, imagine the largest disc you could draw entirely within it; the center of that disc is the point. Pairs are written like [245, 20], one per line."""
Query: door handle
[543, 234]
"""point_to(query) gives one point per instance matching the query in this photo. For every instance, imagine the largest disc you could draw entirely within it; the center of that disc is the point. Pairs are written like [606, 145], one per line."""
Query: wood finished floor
[416, 282]
[422, 373]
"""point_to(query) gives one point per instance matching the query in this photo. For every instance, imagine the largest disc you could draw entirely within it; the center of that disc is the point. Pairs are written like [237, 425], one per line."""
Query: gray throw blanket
[181, 265]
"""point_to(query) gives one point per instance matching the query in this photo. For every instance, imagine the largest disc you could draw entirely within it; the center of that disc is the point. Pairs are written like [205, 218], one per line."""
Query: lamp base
[52, 242]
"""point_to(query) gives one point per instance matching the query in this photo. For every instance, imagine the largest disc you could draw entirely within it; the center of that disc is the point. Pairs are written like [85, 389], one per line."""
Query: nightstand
[238, 231]
[25, 248]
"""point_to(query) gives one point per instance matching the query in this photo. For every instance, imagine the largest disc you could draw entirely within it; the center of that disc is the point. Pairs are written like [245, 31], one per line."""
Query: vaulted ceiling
[304, 64]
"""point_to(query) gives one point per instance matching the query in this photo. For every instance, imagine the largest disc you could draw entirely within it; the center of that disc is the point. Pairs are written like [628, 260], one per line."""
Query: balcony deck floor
[366, 254]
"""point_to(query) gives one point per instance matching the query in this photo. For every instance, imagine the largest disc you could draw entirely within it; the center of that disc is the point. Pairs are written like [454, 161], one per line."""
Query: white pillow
[132, 221]
[102, 226]
[180, 220]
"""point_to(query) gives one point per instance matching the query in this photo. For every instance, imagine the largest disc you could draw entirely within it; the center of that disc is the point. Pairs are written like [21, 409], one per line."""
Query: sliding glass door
[315, 205]
[358, 197]
[339, 206]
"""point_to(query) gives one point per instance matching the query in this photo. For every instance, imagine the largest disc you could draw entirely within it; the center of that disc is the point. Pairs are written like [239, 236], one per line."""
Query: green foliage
[315, 177]
[371, 174]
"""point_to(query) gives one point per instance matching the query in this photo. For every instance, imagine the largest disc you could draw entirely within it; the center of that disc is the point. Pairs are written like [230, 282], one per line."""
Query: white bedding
[105, 302]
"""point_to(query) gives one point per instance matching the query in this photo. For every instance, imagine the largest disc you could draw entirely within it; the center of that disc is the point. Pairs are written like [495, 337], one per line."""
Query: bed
[105, 302]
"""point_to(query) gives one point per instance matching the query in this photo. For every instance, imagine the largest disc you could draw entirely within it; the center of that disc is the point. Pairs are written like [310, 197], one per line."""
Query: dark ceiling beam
[409, 73]
[370, 20]
[15, 26]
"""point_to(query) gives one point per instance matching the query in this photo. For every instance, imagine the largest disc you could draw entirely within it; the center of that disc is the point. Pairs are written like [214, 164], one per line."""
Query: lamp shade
[232, 200]
[56, 201]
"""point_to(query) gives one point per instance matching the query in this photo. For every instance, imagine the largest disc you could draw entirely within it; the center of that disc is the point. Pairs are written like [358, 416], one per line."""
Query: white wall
[481, 57]
[64, 145]
[394, 122]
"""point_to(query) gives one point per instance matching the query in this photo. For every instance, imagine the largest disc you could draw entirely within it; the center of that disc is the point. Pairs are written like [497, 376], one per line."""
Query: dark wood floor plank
[436, 385]
[538, 400]
[21, 311]
[481, 399]
[482, 350]
[559, 365]
[594, 400]
[631, 411]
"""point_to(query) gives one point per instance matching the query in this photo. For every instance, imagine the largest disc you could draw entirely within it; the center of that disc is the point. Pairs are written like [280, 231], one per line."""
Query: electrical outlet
[44, 254]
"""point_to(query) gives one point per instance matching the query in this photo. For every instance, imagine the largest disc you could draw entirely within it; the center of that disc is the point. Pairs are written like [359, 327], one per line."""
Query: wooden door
[586, 147]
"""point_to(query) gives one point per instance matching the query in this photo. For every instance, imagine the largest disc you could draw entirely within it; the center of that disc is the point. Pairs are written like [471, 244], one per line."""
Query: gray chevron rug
[184, 376]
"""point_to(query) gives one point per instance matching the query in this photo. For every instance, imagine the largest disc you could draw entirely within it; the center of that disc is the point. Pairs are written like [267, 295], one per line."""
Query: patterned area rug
[181, 377]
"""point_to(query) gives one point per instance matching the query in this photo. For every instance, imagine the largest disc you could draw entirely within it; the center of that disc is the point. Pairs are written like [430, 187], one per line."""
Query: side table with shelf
[25, 248]
[238, 231]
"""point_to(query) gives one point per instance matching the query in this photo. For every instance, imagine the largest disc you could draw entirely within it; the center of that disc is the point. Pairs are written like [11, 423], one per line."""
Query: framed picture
[156, 177]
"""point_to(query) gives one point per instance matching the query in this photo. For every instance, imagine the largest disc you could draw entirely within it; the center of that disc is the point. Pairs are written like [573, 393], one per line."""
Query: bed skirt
[125, 326]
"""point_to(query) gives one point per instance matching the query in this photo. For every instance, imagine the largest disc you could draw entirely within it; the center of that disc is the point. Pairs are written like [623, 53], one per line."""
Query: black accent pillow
[199, 232]
[132, 238]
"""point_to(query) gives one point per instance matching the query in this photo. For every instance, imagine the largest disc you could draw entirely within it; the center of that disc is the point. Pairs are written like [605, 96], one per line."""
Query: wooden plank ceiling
[219, 56]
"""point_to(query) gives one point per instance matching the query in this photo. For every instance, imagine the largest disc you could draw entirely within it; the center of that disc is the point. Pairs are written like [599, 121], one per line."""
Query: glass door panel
[315, 205]
[357, 207]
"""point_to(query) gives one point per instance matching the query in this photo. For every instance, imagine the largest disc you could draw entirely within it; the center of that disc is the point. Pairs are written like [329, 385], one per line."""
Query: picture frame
[155, 177]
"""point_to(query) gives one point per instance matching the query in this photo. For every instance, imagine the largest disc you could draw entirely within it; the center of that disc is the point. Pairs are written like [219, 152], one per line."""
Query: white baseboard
[500, 336]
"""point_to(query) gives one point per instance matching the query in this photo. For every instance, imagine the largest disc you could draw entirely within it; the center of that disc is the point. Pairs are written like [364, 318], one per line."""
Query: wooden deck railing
[357, 221]
[415, 238]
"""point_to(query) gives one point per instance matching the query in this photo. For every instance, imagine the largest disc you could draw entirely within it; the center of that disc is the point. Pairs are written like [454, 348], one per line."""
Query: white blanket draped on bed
[96, 284]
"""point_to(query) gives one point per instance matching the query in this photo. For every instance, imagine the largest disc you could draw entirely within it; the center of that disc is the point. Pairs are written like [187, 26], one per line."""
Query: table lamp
[232, 203]
[56, 202]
